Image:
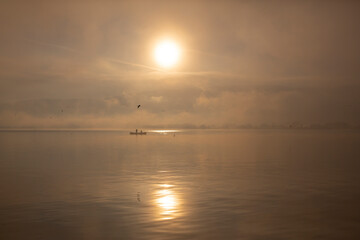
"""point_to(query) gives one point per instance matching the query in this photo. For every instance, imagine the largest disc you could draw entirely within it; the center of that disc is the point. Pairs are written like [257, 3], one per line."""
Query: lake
[191, 184]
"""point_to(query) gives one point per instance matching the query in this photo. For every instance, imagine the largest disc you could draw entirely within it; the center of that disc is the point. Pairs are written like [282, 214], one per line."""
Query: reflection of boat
[138, 133]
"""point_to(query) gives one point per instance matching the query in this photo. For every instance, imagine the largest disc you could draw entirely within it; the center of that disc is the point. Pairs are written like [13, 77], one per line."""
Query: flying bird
[139, 106]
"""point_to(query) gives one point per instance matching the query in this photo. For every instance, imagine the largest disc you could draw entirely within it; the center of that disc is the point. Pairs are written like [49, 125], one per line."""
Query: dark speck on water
[246, 184]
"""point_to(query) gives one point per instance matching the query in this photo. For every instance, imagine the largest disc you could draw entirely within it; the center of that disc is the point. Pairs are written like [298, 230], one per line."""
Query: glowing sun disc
[167, 53]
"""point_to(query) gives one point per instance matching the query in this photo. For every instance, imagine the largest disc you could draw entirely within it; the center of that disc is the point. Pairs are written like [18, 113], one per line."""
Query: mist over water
[246, 184]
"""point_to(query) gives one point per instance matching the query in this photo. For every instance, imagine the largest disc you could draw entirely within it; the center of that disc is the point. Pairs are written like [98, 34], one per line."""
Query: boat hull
[138, 133]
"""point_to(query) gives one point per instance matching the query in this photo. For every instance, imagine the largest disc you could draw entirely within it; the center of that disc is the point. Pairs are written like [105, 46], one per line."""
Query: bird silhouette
[139, 106]
[138, 197]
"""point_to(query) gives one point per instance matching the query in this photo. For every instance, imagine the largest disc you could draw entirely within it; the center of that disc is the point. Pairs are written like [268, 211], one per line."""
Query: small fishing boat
[138, 133]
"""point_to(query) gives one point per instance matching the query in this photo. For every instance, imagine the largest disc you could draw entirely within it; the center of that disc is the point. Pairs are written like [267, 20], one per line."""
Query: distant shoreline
[168, 130]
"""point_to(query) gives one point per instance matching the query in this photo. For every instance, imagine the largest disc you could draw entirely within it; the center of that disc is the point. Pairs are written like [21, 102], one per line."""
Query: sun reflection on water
[167, 202]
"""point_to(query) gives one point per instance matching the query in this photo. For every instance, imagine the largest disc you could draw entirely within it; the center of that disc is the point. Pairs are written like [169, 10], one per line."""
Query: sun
[167, 53]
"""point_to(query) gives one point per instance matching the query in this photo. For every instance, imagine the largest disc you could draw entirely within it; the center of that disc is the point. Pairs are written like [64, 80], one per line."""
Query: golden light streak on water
[167, 202]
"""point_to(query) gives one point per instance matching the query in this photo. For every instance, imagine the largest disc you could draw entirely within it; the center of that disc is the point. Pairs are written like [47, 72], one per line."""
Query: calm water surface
[250, 184]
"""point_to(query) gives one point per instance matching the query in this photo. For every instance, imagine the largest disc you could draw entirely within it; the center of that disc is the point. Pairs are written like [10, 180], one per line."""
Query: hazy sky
[66, 64]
